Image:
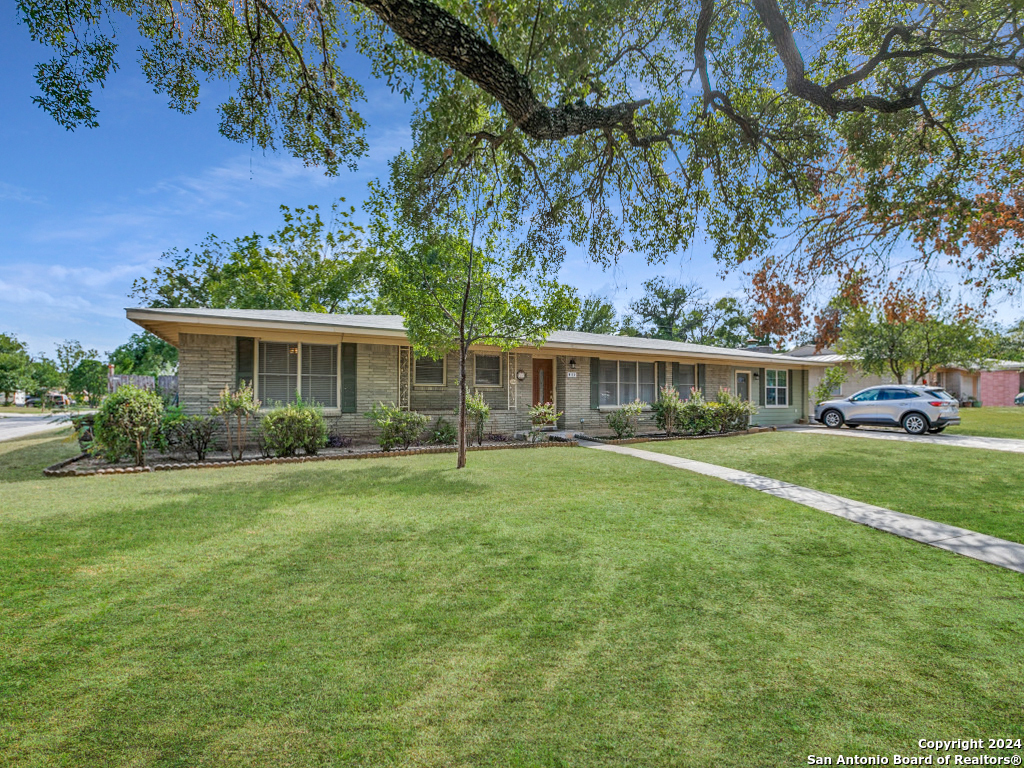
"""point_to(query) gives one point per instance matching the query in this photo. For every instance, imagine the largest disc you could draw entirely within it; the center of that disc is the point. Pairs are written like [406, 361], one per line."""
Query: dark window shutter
[790, 389]
[760, 386]
[702, 379]
[244, 360]
[675, 378]
[348, 378]
[661, 378]
[595, 384]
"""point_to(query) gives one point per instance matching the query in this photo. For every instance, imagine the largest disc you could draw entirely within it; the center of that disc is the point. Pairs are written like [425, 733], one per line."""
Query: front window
[429, 372]
[621, 382]
[487, 371]
[279, 372]
[280, 382]
[776, 388]
[320, 375]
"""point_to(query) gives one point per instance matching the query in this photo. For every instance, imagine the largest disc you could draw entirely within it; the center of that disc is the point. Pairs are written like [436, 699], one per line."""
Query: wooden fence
[167, 386]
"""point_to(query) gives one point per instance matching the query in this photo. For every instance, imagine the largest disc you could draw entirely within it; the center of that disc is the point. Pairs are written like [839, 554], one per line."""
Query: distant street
[14, 425]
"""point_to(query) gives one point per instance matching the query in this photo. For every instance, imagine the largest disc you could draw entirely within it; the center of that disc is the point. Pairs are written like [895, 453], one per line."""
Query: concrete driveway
[957, 441]
[14, 425]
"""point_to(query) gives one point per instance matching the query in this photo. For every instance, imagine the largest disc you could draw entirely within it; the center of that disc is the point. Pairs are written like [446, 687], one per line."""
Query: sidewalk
[989, 549]
[957, 441]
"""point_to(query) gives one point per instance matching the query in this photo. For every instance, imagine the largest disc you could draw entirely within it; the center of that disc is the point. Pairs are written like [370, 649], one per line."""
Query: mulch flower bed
[660, 436]
[85, 465]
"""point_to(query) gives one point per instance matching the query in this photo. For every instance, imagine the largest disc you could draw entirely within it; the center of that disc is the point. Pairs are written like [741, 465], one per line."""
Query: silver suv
[918, 409]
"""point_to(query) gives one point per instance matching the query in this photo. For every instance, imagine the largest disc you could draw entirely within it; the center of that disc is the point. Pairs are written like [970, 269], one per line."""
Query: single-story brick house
[347, 363]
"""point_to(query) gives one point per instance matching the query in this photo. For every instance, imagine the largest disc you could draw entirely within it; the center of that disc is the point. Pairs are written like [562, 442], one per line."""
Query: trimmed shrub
[478, 412]
[444, 432]
[732, 413]
[696, 416]
[239, 406]
[667, 410]
[544, 414]
[127, 424]
[623, 421]
[283, 431]
[192, 434]
[397, 427]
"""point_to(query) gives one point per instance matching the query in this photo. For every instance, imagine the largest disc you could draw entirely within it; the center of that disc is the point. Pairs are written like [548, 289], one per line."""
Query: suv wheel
[915, 424]
[832, 419]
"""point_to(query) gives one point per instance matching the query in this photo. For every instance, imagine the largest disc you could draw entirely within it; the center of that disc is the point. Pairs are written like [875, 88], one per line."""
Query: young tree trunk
[463, 353]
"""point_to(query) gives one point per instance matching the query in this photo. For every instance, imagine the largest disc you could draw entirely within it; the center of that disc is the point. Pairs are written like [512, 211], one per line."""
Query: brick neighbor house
[1001, 382]
[347, 363]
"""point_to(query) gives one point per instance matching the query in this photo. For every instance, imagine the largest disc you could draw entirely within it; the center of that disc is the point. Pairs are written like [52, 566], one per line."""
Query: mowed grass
[968, 487]
[990, 422]
[559, 607]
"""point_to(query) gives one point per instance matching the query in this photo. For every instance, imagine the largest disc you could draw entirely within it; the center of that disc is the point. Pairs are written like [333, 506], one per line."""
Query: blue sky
[85, 213]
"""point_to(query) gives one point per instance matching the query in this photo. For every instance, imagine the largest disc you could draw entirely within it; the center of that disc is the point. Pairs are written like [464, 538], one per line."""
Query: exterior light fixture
[521, 375]
[572, 364]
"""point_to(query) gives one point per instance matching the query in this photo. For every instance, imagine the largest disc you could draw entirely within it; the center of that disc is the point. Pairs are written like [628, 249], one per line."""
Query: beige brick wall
[206, 364]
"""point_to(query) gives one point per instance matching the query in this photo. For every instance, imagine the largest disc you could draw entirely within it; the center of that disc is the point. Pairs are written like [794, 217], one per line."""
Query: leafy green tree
[69, 354]
[911, 346]
[455, 292]
[14, 366]
[310, 264]
[1008, 342]
[89, 377]
[597, 315]
[144, 355]
[44, 376]
[683, 313]
[616, 125]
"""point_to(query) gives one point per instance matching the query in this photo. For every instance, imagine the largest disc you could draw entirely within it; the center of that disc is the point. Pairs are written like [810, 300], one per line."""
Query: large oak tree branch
[437, 33]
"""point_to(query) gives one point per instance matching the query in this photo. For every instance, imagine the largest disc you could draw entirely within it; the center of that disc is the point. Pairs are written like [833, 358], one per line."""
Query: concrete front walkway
[957, 441]
[989, 549]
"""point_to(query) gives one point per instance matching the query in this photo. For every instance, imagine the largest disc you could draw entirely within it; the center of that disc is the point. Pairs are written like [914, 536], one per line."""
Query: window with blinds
[429, 372]
[622, 382]
[279, 373]
[487, 371]
[320, 375]
[686, 379]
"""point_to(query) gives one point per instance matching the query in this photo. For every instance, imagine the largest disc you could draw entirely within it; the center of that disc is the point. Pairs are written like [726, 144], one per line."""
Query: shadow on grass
[25, 458]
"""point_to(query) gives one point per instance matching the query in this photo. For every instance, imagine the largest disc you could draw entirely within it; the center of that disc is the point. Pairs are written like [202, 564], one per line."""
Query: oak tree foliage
[856, 132]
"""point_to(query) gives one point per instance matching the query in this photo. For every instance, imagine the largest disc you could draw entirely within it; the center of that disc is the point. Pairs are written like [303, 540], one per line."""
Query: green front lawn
[990, 422]
[559, 607]
[971, 488]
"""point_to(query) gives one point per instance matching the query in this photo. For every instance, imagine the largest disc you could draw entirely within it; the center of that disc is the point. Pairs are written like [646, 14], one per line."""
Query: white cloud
[17, 194]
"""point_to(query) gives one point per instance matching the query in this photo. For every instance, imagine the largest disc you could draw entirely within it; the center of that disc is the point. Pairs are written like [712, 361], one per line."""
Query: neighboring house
[1000, 382]
[963, 383]
[347, 363]
[856, 380]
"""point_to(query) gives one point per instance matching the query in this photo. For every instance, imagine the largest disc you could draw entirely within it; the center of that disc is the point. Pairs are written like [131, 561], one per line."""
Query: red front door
[543, 381]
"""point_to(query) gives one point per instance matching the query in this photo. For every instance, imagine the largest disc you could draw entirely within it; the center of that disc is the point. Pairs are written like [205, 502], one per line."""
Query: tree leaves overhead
[622, 126]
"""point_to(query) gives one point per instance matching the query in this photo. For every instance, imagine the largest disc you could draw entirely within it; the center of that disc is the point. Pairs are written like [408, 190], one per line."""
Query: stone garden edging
[60, 469]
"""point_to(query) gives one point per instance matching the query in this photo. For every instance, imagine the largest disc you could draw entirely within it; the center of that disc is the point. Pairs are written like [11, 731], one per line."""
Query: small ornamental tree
[831, 380]
[457, 285]
[127, 423]
[624, 420]
[236, 408]
[479, 412]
